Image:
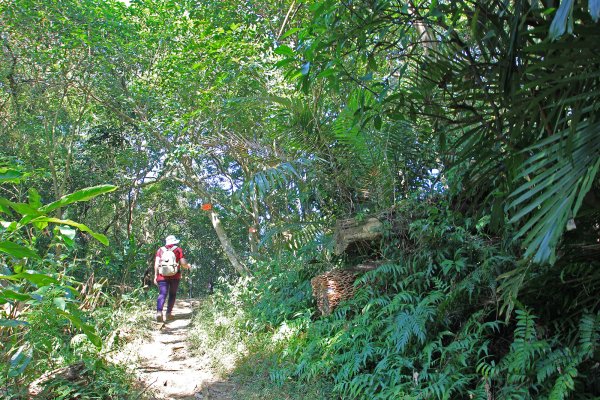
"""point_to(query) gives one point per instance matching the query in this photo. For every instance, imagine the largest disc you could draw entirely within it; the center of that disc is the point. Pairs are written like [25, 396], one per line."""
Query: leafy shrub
[432, 322]
[48, 320]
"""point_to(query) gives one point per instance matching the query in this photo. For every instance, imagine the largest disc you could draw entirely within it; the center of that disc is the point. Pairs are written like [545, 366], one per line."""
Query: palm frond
[555, 186]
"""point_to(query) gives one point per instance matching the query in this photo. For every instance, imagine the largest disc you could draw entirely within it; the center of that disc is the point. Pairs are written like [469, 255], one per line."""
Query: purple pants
[164, 287]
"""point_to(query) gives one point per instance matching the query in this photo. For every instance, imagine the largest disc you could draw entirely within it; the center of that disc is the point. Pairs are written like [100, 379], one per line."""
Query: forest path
[166, 367]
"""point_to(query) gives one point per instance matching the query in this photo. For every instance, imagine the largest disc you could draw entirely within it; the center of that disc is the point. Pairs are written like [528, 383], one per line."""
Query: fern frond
[589, 334]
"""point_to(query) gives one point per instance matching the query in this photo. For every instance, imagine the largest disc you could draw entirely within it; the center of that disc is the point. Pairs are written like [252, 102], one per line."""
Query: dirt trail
[167, 369]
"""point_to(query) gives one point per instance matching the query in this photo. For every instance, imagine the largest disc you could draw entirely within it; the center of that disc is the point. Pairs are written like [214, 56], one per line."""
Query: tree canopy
[250, 129]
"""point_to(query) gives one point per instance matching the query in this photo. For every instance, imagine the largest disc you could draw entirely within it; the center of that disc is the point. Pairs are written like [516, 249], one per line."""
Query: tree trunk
[201, 191]
[226, 244]
[253, 234]
[193, 182]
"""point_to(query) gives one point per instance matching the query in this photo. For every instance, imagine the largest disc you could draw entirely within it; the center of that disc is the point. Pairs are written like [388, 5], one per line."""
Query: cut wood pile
[332, 287]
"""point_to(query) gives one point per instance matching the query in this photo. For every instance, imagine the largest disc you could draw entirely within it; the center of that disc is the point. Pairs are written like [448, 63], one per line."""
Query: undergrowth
[245, 347]
[434, 321]
[57, 361]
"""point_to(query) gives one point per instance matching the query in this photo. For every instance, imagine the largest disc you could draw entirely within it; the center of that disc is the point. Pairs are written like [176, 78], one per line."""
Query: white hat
[171, 240]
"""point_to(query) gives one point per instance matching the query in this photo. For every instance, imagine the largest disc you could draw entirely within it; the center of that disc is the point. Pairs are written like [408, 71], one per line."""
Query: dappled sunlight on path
[167, 369]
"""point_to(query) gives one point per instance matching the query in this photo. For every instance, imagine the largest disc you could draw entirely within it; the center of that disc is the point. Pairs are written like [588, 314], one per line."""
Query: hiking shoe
[159, 317]
[169, 317]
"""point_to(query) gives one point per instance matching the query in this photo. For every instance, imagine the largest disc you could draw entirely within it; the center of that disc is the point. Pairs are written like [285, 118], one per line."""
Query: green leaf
[9, 226]
[290, 32]
[7, 294]
[284, 62]
[21, 208]
[35, 278]
[326, 72]
[377, 122]
[557, 175]
[35, 200]
[20, 360]
[88, 330]
[60, 303]
[16, 250]
[67, 232]
[12, 323]
[80, 195]
[284, 51]
[10, 175]
[98, 236]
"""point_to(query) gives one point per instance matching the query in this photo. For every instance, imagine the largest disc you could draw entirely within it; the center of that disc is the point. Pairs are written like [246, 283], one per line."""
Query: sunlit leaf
[98, 236]
[10, 175]
[67, 232]
[594, 7]
[20, 360]
[60, 303]
[562, 20]
[80, 195]
[35, 278]
[16, 250]
[305, 68]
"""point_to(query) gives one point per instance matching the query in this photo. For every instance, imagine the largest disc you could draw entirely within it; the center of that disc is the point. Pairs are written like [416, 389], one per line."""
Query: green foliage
[572, 176]
[484, 82]
[43, 307]
[405, 333]
[424, 324]
[546, 368]
[289, 292]
[243, 342]
[470, 128]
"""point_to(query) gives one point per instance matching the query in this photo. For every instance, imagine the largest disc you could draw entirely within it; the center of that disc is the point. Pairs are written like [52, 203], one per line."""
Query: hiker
[167, 273]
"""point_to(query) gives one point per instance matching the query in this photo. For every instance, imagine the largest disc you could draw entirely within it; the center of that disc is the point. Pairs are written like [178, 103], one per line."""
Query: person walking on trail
[167, 274]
